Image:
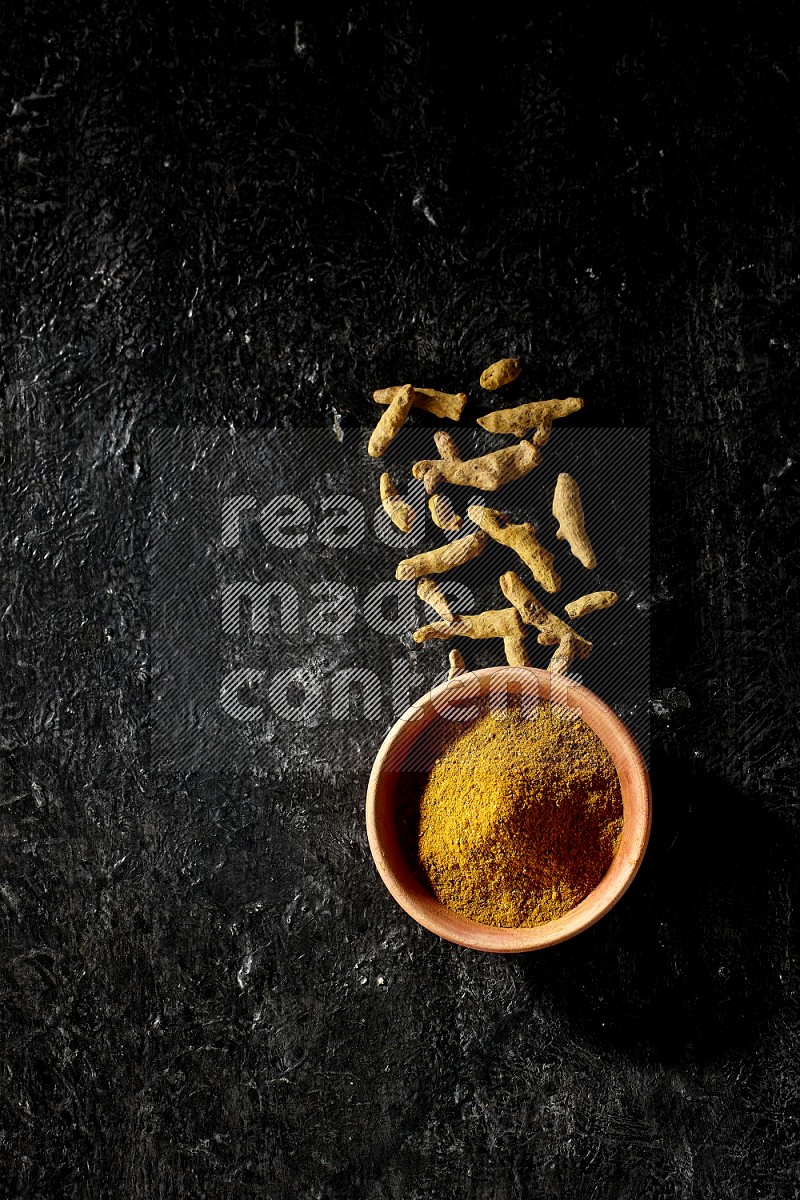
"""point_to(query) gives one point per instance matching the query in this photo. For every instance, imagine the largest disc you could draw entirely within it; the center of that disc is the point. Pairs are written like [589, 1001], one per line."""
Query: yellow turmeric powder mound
[519, 817]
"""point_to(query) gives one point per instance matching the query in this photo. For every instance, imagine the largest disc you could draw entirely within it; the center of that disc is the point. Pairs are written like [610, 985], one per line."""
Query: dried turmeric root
[569, 648]
[439, 404]
[590, 603]
[443, 558]
[494, 623]
[538, 415]
[500, 373]
[551, 628]
[516, 654]
[521, 539]
[443, 514]
[446, 445]
[398, 510]
[457, 664]
[391, 422]
[568, 511]
[431, 594]
[487, 473]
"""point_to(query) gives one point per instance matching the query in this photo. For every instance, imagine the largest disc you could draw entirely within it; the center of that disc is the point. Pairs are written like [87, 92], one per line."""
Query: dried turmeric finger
[398, 510]
[589, 604]
[441, 509]
[430, 592]
[439, 404]
[569, 648]
[521, 539]
[457, 664]
[391, 422]
[532, 611]
[446, 445]
[494, 623]
[443, 558]
[538, 415]
[443, 514]
[500, 373]
[568, 511]
[487, 473]
[552, 630]
[516, 653]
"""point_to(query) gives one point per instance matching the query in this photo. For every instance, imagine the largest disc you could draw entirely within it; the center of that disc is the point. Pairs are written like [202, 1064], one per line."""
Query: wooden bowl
[404, 751]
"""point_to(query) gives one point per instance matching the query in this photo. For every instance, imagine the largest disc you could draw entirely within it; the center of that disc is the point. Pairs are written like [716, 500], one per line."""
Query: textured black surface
[249, 216]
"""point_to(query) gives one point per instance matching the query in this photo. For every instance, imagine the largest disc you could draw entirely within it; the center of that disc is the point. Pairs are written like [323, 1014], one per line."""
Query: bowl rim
[637, 798]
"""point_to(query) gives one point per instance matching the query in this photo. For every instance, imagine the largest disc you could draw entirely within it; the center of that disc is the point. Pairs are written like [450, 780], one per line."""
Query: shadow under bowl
[402, 758]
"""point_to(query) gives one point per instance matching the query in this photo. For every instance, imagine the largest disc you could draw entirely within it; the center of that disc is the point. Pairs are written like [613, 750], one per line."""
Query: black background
[251, 215]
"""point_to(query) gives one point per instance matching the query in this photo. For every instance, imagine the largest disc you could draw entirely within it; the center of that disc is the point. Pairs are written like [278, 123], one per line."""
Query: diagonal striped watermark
[280, 635]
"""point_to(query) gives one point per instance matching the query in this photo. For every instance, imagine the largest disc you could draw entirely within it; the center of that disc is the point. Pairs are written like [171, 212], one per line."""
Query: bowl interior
[405, 756]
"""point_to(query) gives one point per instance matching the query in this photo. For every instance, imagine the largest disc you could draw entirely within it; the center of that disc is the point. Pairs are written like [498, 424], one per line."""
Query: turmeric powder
[519, 817]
